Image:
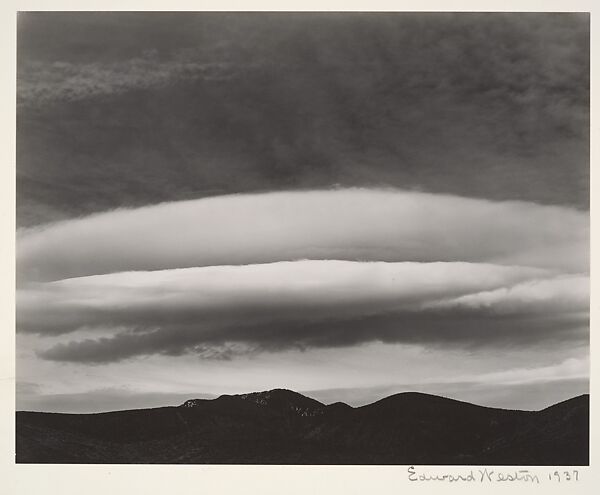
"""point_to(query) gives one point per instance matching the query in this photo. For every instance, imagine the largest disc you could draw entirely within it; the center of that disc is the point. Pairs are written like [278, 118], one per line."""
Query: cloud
[26, 388]
[468, 332]
[349, 224]
[224, 311]
[59, 82]
[533, 296]
[248, 293]
[244, 274]
[512, 56]
[494, 105]
[488, 105]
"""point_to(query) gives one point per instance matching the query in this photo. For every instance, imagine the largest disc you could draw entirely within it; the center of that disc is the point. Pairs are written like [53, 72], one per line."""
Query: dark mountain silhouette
[284, 427]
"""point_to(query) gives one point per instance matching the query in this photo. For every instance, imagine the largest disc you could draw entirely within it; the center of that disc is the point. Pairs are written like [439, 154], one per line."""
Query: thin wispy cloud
[59, 82]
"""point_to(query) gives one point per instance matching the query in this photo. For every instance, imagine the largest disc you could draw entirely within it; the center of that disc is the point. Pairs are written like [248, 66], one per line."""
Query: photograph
[303, 238]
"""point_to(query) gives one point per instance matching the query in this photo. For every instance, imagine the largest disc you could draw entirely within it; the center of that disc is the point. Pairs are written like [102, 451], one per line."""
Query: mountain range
[284, 427]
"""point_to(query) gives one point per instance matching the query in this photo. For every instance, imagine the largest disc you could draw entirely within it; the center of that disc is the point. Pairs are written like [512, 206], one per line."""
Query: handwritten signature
[485, 475]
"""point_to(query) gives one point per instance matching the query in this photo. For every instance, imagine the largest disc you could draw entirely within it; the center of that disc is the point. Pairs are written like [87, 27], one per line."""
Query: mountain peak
[193, 402]
[283, 399]
[278, 399]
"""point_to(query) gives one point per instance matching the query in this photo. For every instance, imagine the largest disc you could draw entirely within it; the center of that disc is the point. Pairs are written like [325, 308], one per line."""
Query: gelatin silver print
[303, 238]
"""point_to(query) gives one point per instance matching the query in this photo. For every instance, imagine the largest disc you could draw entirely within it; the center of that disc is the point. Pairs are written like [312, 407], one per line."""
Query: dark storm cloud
[487, 105]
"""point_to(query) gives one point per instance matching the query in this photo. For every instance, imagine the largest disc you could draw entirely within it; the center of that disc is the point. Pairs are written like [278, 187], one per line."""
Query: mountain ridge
[281, 426]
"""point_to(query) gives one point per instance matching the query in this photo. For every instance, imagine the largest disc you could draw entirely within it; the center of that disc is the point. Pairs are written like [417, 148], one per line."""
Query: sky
[347, 205]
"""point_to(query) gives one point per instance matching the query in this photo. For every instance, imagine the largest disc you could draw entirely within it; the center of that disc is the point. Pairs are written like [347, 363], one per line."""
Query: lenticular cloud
[304, 269]
[356, 224]
[233, 295]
